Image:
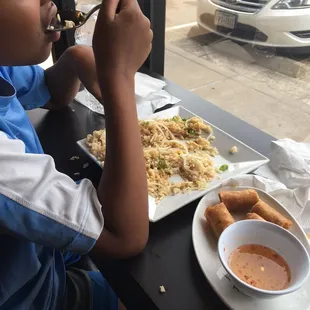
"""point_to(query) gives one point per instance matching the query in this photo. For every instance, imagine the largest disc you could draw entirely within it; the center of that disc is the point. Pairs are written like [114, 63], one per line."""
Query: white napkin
[150, 96]
[146, 85]
[297, 201]
[289, 163]
[287, 177]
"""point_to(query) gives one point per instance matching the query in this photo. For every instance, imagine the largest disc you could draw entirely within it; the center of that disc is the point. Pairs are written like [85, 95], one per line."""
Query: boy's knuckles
[147, 22]
[151, 34]
[132, 16]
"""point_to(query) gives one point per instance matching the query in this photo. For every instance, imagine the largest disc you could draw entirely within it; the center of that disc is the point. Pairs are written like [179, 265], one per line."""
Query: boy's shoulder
[25, 73]
[28, 84]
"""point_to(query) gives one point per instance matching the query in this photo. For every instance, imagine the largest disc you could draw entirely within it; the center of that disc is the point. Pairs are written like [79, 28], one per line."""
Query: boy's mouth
[49, 22]
[51, 16]
[53, 36]
[52, 24]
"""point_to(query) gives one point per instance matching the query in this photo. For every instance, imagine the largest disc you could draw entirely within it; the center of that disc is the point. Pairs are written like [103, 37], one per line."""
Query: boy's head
[23, 24]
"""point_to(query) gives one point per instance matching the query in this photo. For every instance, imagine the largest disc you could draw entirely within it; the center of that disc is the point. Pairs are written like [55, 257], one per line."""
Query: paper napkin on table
[287, 177]
[289, 163]
[150, 96]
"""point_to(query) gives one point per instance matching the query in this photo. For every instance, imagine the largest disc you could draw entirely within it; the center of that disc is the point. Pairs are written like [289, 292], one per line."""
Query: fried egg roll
[218, 218]
[254, 216]
[271, 215]
[238, 201]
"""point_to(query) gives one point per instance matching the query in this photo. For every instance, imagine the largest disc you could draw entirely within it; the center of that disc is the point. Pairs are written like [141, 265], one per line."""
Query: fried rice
[171, 147]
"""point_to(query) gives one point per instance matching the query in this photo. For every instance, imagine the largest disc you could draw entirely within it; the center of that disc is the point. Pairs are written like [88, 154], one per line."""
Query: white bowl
[273, 237]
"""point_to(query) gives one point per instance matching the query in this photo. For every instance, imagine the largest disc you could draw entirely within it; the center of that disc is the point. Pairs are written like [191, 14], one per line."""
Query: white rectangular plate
[245, 161]
[225, 19]
[205, 247]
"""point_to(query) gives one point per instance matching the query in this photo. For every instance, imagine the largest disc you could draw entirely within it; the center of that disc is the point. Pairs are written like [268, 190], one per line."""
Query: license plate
[225, 19]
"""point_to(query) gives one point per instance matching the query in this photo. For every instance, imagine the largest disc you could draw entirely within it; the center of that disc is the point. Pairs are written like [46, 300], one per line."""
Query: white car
[278, 23]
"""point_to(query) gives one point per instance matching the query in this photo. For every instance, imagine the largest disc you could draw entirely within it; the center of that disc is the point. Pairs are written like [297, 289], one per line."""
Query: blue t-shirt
[42, 211]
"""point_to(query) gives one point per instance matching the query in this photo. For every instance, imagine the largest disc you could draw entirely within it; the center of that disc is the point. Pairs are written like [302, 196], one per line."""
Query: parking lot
[271, 93]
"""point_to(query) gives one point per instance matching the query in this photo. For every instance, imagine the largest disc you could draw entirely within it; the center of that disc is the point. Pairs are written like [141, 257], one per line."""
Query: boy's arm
[121, 44]
[76, 65]
[45, 206]
[42, 205]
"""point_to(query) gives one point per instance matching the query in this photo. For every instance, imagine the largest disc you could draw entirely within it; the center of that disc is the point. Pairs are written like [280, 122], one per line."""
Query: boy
[44, 216]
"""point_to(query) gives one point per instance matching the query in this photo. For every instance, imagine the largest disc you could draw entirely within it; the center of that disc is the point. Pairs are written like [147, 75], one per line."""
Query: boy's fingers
[112, 7]
[109, 9]
[129, 3]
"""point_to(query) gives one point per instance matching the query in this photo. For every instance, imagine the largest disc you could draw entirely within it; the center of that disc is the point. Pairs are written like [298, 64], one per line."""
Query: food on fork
[254, 216]
[69, 24]
[238, 201]
[271, 215]
[218, 218]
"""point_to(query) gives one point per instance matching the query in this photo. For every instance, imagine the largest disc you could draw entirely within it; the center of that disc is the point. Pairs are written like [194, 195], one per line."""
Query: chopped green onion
[223, 168]
[192, 131]
[162, 164]
[184, 119]
[175, 118]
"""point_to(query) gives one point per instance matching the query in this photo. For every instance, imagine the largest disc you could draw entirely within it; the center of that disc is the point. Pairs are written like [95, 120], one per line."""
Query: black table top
[169, 257]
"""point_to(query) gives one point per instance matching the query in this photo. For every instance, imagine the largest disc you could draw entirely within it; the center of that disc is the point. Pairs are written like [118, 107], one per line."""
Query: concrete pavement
[271, 94]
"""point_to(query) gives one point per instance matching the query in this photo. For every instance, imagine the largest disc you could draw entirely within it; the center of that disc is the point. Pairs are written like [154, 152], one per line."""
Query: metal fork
[68, 20]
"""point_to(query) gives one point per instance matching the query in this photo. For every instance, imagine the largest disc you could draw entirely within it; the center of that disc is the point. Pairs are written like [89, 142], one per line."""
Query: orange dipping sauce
[260, 267]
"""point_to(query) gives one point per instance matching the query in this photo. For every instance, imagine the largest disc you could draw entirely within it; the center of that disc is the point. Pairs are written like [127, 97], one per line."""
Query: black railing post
[155, 11]
[67, 38]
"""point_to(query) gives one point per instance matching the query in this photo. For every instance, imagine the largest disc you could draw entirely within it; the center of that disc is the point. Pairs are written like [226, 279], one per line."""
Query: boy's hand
[121, 41]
